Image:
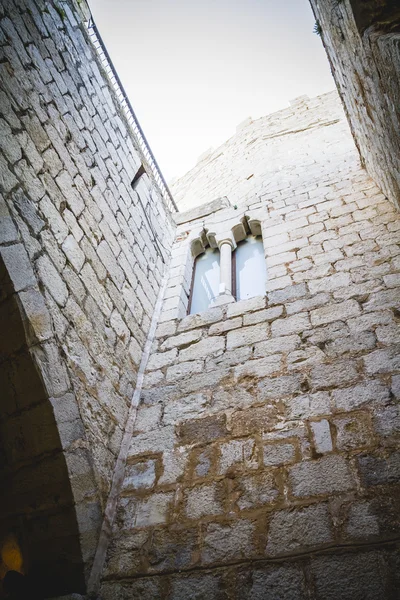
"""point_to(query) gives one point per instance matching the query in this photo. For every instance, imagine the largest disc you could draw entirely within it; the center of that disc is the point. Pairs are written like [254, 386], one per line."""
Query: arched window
[206, 280]
[249, 270]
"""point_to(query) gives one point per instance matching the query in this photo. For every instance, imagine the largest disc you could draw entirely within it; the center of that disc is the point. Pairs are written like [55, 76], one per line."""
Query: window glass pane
[251, 271]
[206, 280]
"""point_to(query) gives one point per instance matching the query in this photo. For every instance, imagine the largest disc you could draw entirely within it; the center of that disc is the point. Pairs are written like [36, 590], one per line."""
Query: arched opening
[249, 268]
[39, 534]
[206, 279]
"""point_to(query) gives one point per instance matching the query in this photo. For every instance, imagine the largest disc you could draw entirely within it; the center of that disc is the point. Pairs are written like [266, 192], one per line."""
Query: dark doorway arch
[39, 533]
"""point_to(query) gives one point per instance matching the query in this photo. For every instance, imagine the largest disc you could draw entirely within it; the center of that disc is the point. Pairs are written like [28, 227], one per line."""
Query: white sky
[193, 70]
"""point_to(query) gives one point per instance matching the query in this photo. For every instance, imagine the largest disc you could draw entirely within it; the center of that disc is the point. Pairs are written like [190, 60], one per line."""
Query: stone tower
[250, 450]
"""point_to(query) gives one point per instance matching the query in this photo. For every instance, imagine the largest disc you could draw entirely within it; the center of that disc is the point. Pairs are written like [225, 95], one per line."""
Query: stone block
[162, 359]
[172, 549]
[174, 464]
[278, 454]
[322, 436]
[260, 367]
[251, 420]
[247, 336]
[8, 231]
[245, 306]
[376, 470]
[237, 455]
[307, 304]
[153, 441]
[201, 319]
[329, 283]
[152, 510]
[364, 340]
[289, 293]
[202, 431]
[283, 582]
[204, 501]
[195, 587]
[188, 407]
[321, 477]
[303, 359]
[228, 542]
[180, 341]
[73, 252]
[387, 422]
[370, 391]
[353, 431]
[18, 266]
[349, 576]
[290, 325]
[277, 345]
[335, 375]
[280, 387]
[335, 312]
[256, 490]
[299, 529]
[184, 369]
[224, 326]
[210, 346]
[309, 405]
[383, 361]
[37, 314]
[362, 522]
[141, 475]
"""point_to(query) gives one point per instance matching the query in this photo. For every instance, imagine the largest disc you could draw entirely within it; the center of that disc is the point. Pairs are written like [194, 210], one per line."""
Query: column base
[222, 299]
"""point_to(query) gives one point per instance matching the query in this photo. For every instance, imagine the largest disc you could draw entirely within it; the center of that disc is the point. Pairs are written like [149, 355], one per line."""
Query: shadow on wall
[38, 528]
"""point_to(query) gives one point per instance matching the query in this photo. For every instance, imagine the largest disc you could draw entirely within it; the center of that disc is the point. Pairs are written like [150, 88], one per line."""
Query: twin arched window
[249, 274]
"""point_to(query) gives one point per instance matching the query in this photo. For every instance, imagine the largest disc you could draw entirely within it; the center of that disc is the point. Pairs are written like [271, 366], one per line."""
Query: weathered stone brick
[353, 343]
[383, 361]
[209, 346]
[349, 576]
[245, 306]
[140, 475]
[350, 398]
[376, 470]
[295, 324]
[263, 316]
[299, 529]
[199, 320]
[335, 312]
[337, 374]
[309, 405]
[162, 359]
[322, 436]
[203, 430]
[330, 283]
[247, 336]
[281, 582]
[226, 542]
[204, 501]
[256, 490]
[245, 422]
[353, 431]
[275, 389]
[145, 512]
[278, 454]
[324, 476]
[277, 345]
[292, 292]
[237, 455]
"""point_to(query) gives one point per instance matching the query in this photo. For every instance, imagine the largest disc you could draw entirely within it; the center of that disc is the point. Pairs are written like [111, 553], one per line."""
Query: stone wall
[274, 157]
[77, 243]
[362, 41]
[265, 456]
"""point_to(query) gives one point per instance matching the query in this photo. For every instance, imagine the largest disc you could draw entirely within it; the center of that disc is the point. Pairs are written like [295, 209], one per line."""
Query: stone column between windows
[225, 286]
[225, 262]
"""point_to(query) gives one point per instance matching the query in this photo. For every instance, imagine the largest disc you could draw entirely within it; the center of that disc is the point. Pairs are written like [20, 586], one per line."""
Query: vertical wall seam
[119, 469]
